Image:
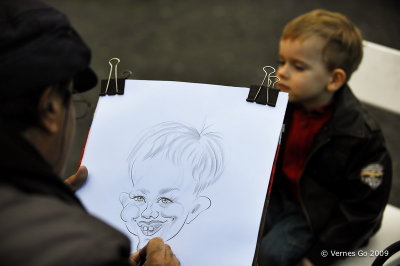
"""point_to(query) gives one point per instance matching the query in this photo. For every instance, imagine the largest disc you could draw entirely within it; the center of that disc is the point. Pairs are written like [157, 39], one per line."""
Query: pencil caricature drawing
[187, 162]
[170, 166]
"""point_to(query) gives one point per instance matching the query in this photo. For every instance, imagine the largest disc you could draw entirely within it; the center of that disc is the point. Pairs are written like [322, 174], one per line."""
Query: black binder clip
[265, 95]
[116, 85]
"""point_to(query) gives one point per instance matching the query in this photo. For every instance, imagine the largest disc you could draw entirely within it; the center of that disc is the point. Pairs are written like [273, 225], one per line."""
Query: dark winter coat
[41, 220]
[346, 180]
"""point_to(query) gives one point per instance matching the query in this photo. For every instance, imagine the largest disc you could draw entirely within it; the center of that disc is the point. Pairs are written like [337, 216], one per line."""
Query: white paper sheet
[146, 148]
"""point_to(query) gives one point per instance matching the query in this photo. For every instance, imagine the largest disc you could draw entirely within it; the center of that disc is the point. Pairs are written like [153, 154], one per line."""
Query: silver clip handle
[116, 60]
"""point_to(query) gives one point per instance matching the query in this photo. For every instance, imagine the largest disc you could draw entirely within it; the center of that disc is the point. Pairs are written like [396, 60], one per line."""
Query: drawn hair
[183, 145]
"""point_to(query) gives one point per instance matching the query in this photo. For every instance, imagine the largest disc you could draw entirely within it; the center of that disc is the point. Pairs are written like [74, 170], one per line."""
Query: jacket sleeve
[45, 231]
[362, 198]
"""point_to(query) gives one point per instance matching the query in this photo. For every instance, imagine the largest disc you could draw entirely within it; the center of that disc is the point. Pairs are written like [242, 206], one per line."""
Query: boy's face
[161, 199]
[302, 72]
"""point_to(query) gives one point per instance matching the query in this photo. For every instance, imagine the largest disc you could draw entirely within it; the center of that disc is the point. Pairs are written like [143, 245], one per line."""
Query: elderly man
[42, 62]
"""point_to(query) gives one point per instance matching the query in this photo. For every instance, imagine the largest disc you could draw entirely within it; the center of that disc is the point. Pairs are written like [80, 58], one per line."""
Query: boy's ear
[338, 78]
[49, 108]
[200, 204]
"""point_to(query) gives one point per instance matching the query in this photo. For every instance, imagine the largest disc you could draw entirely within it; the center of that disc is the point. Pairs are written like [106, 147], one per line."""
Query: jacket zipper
[322, 143]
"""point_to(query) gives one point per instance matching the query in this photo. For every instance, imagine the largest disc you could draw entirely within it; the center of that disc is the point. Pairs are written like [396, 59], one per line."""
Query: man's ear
[338, 78]
[200, 204]
[49, 108]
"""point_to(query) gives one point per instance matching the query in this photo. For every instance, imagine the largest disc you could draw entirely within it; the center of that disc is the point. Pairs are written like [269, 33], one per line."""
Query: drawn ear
[124, 199]
[200, 204]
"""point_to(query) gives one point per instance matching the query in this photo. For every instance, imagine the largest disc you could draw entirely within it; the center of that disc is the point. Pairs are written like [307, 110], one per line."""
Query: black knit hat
[38, 48]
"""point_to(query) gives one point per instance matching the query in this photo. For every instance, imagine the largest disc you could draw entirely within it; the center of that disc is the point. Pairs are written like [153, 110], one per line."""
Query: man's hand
[76, 181]
[306, 262]
[155, 253]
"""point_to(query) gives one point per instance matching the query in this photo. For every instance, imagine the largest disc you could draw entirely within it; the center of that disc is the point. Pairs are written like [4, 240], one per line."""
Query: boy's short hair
[183, 145]
[343, 47]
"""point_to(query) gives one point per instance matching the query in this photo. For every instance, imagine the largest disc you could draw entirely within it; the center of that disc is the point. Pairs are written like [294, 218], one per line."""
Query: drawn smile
[150, 228]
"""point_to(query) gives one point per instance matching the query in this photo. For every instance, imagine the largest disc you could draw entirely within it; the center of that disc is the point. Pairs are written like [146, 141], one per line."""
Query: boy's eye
[280, 62]
[299, 67]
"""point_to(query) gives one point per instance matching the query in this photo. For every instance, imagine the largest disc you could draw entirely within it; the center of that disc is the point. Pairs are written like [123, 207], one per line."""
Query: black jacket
[41, 220]
[346, 180]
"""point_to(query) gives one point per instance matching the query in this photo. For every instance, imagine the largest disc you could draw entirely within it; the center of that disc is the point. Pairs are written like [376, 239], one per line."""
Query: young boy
[170, 166]
[333, 173]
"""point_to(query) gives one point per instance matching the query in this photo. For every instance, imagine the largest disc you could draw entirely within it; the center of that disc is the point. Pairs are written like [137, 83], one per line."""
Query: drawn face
[161, 200]
[302, 72]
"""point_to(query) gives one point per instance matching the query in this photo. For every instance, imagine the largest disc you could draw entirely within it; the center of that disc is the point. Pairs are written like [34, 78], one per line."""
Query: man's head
[319, 51]
[39, 48]
[42, 59]
[170, 166]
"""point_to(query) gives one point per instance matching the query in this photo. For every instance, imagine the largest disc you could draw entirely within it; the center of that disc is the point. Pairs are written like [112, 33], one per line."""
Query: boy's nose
[149, 212]
[282, 72]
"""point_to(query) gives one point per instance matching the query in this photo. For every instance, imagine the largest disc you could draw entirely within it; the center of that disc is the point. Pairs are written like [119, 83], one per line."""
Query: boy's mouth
[150, 228]
[283, 87]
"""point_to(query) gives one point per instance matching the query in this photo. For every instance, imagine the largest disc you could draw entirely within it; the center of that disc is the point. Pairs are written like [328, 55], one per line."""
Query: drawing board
[187, 162]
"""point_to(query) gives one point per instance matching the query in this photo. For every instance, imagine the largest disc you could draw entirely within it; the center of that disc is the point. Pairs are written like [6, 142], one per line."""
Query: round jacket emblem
[372, 175]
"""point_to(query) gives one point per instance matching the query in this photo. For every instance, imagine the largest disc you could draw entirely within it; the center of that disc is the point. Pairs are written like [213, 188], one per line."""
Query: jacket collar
[349, 115]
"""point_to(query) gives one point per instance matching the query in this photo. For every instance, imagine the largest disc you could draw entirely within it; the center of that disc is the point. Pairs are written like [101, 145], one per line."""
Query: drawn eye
[139, 199]
[164, 201]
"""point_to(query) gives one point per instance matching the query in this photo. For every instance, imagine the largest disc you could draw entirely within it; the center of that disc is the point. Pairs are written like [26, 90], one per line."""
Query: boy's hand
[76, 181]
[155, 253]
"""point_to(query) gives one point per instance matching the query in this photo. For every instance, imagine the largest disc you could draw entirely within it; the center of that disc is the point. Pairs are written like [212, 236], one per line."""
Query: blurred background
[224, 42]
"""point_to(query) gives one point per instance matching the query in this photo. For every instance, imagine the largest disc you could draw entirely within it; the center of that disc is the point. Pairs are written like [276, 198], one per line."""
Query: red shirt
[305, 125]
